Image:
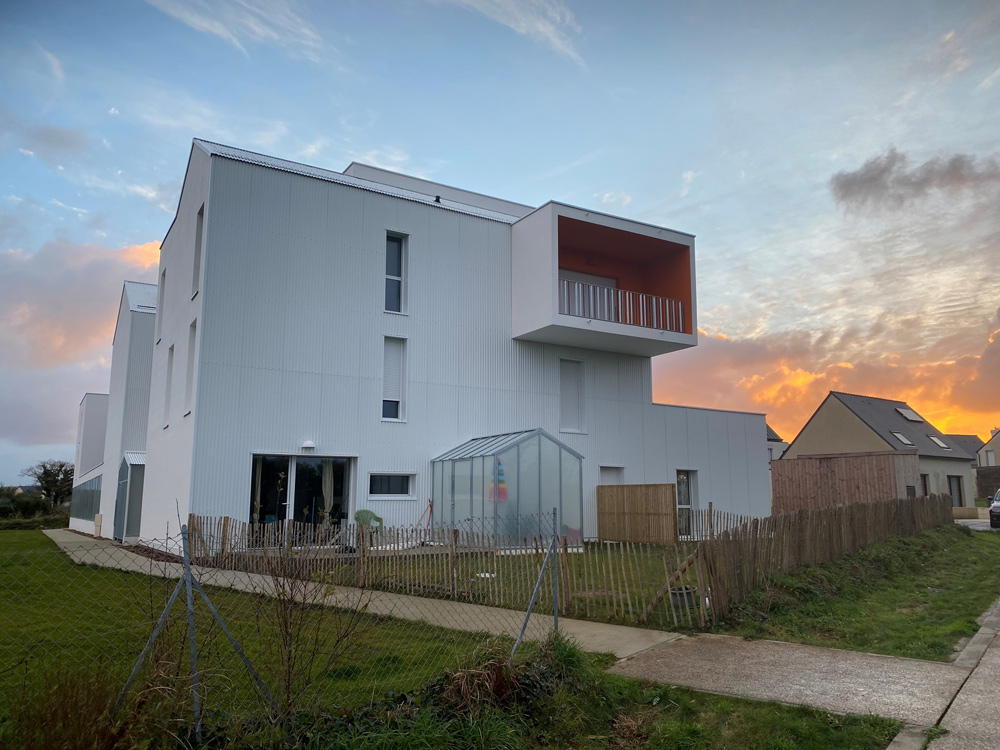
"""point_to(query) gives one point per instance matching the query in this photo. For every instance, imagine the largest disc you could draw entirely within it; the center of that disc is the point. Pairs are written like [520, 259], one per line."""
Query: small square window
[390, 410]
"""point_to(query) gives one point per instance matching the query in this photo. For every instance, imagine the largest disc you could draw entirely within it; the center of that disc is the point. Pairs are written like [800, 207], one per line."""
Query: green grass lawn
[914, 597]
[63, 619]
[57, 614]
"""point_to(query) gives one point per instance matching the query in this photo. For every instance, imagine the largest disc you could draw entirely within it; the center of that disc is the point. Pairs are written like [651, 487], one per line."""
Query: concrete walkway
[596, 637]
[915, 692]
[972, 720]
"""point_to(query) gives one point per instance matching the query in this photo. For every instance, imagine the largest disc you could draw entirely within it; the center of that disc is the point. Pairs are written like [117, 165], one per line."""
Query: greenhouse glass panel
[572, 496]
[462, 494]
[508, 485]
[506, 501]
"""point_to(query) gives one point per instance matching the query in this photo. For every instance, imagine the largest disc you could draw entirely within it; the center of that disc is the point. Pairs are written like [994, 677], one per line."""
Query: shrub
[28, 505]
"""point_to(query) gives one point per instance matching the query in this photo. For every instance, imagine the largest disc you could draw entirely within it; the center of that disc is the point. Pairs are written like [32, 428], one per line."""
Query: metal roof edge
[234, 153]
[610, 216]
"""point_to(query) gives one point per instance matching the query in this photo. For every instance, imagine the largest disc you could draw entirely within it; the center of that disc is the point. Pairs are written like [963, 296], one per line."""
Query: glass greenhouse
[509, 484]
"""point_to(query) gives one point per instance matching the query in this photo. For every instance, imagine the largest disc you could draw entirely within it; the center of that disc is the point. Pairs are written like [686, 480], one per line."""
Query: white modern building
[322, 337]
[117, 479]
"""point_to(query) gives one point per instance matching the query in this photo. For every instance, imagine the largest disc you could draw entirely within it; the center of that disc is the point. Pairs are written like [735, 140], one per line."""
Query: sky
[838, 163]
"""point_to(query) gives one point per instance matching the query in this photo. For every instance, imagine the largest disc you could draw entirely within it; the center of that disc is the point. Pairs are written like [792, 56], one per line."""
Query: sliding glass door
[307, 489]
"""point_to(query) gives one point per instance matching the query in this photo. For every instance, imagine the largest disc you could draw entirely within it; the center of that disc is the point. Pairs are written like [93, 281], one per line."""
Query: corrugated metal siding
[135, 417]
[292, 343]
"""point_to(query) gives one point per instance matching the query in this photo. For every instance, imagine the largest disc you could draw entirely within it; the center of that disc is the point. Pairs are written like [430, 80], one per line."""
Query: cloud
[57, 306]
[686, 179]
[77, 211]
[787, 376]
[113, 111]
[277, 22]
[49, 143]
[163, 195]
[389, 157]
[987, 82]
[614, 199]
[54, 65]
[546, 21]
[889, 181]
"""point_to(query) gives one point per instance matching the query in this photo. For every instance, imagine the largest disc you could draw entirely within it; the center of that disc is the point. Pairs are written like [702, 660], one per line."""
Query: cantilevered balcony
[585, 279]
[614, 305]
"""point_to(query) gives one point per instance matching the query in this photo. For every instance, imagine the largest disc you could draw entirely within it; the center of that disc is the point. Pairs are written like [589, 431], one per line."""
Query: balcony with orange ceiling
[586, 279]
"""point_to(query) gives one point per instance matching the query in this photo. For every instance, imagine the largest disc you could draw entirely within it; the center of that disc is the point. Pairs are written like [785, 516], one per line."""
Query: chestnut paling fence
[691, 584]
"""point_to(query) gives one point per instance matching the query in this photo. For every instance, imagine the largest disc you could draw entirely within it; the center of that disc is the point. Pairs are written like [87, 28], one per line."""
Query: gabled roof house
[989, 452]
[847, 424]
[323, 339]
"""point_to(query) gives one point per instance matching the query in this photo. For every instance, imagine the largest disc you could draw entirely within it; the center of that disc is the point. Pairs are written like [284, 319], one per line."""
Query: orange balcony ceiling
[637, 262]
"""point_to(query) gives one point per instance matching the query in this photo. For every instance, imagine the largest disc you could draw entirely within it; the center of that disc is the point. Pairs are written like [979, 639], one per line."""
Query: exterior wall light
[308, 445]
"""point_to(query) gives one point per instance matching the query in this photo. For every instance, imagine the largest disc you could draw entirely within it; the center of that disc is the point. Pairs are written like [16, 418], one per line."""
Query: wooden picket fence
[689, 585]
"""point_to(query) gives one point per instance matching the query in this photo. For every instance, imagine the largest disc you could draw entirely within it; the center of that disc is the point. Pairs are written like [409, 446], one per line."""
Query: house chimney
[994, 431]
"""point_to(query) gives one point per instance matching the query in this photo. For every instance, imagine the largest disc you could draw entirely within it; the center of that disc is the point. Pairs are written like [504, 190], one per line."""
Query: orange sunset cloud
[59, 306]
[786, 379]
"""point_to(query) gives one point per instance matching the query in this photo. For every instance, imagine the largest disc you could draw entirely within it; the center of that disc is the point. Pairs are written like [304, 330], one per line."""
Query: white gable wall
[170, 435]
[128, 402]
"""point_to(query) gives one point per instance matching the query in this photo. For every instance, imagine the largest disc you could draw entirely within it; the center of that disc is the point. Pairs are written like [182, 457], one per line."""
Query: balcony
[585, 279]
[614, 305]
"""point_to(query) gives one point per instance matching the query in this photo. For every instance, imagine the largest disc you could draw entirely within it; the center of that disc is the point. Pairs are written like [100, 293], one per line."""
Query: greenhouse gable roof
[493, 444]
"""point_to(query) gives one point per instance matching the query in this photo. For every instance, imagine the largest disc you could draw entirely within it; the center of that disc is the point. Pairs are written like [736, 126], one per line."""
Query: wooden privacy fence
[828, 481]
[691, 584]
[738, 561]
[637, 513]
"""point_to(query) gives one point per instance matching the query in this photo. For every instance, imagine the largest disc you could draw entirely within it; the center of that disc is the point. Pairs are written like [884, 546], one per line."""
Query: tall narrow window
[395, 263]
[571, 402]
[189, 381]
[393, 375]
[160, 291]
[199, 229]
[170, 378]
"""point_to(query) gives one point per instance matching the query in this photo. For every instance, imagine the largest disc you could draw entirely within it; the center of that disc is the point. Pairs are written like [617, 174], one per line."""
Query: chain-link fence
[292, 633]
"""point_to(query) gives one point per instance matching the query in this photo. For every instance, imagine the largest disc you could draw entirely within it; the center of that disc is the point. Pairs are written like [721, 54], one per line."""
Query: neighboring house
[118, 481]
[969, 444]
[846, 424]
[322, 337]
[775, 445]
[989, 452]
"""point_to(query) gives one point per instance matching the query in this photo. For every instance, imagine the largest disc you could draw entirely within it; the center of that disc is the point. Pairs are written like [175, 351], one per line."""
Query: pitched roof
[883, 415]
[968, 443]
[494, 444]
[773, 436]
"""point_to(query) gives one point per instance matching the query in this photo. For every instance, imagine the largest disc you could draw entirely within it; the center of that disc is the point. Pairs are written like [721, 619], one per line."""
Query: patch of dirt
[153, 554]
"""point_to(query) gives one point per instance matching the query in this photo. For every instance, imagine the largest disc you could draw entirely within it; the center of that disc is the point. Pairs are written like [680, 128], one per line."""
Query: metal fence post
[191, 635]
[555, 569]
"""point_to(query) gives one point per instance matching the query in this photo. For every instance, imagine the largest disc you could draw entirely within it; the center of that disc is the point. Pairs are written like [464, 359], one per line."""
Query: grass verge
[557, 696]
[914, 597]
